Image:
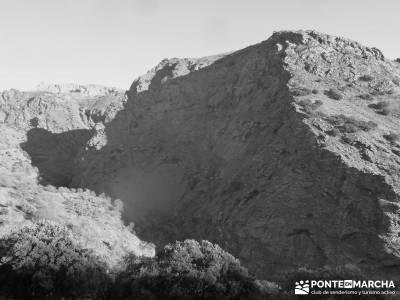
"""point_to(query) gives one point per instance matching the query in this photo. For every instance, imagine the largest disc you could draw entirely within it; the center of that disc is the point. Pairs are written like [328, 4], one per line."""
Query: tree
[43, 259]
[188, 270]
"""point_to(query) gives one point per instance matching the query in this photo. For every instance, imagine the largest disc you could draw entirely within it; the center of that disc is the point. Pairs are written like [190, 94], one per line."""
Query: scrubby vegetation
[190, 270]
[350, 124]
[366, 78]
[334, 94]
[310, 106]
[334, 132]
[43, 261]
[301, 91]
[366, 97]
[382, 107]
[392, 137]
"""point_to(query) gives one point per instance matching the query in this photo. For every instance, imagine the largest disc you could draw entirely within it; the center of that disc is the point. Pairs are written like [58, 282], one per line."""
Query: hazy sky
[111, 42]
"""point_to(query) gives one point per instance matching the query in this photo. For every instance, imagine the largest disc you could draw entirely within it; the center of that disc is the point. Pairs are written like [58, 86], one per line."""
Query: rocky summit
[285, 153]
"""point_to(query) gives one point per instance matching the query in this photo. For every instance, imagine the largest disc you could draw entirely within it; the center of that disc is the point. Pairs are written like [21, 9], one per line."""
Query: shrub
[350, 124]
[317, 103]
[366, 78]
[398, 60]
[188, 270]
[42, 259]
[366, 97]
[382, 107]
[334, 94]
[350, 139]
[378, 92]
[314, 91]
[334, 132]
[34, 122]
[305, 102]
[301, 91]
[392, 137]
[309, 106]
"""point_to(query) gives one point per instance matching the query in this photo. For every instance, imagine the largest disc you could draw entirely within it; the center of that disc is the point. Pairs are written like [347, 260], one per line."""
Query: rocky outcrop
[56, 123]
[270, 151]
[78, 89]
[285, 153]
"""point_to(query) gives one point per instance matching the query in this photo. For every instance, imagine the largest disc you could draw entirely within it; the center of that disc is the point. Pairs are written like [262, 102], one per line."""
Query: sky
[111, 42]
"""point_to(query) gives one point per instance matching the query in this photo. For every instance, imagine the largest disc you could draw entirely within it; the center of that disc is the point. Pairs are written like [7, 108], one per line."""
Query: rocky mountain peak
[286, 152]
[87, 90]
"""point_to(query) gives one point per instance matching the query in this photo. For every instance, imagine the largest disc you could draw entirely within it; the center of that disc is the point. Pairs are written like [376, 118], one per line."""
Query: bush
[350, 139]
[188, 270]
[392, 137]
[366, 96]
[301, 91]
[382, 107]
[34, 122]
[366, 78]
[314, 91]
[398, 60]
[309, 106]
[334, 132]
[334, 94]
[42, 259]
[349, 124]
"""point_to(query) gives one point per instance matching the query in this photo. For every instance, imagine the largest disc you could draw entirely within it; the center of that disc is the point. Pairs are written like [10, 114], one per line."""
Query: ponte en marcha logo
[345, 287]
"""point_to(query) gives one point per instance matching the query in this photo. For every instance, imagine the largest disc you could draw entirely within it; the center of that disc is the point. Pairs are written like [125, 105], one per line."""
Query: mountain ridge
[285, 152]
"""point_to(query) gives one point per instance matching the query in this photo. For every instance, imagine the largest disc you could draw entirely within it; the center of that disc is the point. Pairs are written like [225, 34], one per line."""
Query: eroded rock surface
[250, 151]
[285, 153]
[53, 128]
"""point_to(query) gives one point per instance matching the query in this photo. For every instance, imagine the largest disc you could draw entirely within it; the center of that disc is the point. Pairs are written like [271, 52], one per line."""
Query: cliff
[286, 153]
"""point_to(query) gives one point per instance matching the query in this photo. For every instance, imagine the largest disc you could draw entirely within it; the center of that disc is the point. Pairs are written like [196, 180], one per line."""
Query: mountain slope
[25, 196]
[285, 153]
[253, 151]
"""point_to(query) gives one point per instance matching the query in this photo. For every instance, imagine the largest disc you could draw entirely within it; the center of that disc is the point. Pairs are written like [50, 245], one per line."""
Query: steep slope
[95, 221]
[277, 152]
[285, 153]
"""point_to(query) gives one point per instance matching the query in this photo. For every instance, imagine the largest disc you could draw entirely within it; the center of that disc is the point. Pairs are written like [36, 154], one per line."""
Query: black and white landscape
[231, 176]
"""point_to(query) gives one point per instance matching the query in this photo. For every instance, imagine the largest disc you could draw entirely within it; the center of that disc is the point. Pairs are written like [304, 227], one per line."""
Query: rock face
[25, 197]
[285, 153]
